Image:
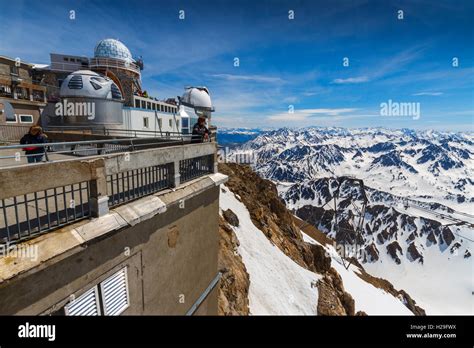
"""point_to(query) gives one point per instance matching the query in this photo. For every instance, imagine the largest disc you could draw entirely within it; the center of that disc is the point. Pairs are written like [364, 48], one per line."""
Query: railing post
[175, 176]
[99, 201]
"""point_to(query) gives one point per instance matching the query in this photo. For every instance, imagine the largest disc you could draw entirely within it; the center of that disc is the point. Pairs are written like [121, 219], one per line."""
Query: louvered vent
[86, 304]
[114, 291]
[75, 82]
[115, 91]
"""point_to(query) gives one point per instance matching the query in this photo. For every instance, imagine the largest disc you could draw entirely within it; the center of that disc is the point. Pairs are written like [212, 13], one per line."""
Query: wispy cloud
[428, 93]
[252, 78]
[359, 79]
[299, 115]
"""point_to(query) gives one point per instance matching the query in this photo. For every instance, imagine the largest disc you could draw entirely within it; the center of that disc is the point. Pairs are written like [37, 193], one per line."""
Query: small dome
[198, 98]
[89, 84]
[111, 48]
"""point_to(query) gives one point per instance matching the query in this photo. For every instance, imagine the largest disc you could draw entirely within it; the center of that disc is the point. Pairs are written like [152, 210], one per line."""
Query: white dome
[198, 98]
[89, 84]
[111, 48]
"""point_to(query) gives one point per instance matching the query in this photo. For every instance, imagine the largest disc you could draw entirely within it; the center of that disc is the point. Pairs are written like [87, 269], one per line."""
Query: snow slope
[278, 285]
[368, 298]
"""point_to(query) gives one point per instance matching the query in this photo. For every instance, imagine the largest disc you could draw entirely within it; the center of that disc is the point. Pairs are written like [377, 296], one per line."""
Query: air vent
[75, 82]
[114, 291]
[86, 305]
[95, 85]
[115, 91]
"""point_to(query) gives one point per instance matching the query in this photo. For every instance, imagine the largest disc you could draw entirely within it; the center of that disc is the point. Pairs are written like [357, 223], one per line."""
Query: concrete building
[121, 234]
[21, 94]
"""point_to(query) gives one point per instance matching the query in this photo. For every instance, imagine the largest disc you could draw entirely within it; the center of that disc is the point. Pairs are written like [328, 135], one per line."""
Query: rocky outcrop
[333, 299]
[372, 252]
[234, 285]
[268, 212]
[321, 261]
[231, 218]
[414, 253]
[392, 250]
[447, 235]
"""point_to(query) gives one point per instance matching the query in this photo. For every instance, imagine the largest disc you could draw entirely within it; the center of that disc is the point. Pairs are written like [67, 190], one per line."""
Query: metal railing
[132, 184]
[113, 63]
[192, 168]
[38, 212]
[38, 198]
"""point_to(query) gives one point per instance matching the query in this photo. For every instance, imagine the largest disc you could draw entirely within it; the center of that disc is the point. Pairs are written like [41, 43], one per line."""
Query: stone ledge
[70, 239]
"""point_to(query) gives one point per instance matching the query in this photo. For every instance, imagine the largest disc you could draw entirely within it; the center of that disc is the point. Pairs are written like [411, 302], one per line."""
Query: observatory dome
[88, 84]
[198, 98]
[111, 48]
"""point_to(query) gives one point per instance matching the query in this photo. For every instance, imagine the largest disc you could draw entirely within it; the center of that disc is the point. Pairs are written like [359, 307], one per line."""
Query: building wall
[171, 260]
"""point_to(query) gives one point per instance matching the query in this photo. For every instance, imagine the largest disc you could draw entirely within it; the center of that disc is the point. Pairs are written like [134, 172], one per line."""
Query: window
[161, 108]
[170, 123]
[148, 105]
[11, 118]
[153, 106]
[14, 70]
[160, 123]
[145, 122]
[110, 297]
[137, 103]
[177, 124]
[143, 104]
[26, 119]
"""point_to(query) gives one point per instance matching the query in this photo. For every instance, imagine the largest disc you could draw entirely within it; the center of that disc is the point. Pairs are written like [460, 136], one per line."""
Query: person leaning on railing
[34, 136]
[200, 132]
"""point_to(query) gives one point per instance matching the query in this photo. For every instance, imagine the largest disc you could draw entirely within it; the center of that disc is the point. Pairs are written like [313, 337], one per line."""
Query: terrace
[84, 179]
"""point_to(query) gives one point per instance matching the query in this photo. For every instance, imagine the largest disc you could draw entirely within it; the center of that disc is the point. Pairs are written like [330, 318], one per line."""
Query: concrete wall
[171, 259]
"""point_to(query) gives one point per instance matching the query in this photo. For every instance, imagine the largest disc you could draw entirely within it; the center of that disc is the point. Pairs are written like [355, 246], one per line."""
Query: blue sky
[284, 63]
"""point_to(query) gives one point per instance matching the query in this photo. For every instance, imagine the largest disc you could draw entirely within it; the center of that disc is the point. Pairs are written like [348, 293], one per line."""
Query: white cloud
[300, 115]
[428, 93]
[359, 79]
[254, 78]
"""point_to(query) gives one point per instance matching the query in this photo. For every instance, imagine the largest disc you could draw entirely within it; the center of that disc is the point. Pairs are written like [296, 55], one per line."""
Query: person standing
[200, 131]
[35, 135]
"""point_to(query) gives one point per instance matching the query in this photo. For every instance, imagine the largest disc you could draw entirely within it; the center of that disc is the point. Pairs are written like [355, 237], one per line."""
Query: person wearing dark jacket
[34, 136]
[200, 131]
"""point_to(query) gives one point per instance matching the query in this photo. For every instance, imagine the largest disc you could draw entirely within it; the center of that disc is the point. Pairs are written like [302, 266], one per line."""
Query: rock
[392, 249]
[234, 285]
[328, 301]
[372, 252]
[348, 303]
[455, 247]
[447, 235]
[231, 218]
[467, 254]
[414, 253]
[321, 261]
[431, 238]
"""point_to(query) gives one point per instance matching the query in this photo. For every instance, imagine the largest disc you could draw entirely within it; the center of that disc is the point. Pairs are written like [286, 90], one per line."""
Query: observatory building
[111, 82]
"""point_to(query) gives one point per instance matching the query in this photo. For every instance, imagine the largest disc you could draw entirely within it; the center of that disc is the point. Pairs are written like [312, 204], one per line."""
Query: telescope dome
[111, 48]
[89, 84]
[198, 98]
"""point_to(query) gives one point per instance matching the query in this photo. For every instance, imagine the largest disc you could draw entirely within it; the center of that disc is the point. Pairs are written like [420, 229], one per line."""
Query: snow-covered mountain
[418, 225]
[274, 263]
